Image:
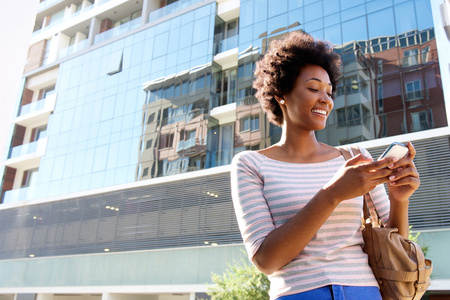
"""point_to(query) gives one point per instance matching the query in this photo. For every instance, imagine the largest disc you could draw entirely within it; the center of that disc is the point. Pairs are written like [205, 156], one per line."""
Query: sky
[16, 26]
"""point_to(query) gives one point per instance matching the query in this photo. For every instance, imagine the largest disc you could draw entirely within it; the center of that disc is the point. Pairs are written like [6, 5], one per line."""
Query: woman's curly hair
[277, 71]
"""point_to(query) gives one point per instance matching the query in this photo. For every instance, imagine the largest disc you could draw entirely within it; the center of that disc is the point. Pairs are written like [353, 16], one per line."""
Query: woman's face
[309, 104]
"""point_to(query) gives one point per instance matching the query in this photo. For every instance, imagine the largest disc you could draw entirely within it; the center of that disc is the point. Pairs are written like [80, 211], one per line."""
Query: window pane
[377, 5]
[331, 7]
[277, 7]
[354, 30]
[277, 23]
[333, 34]
[246, 13]
[405, 17]
[345, 4]
[381, 23]
[353, 12]
[424, 17]
[313, 11]
[296, 16]
[260, 10]
[293, 4]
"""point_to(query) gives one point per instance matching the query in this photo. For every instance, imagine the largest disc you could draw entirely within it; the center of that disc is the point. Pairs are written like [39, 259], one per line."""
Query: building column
[94, 29]
[79, 37]
[85, 4]
[147, 7]
[69, 11]
[59, 41]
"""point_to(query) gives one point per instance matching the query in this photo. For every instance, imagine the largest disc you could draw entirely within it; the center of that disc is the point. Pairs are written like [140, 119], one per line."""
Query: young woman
[298, 202]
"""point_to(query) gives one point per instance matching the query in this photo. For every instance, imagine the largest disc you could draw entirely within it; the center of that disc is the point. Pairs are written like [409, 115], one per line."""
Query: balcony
[72, 49]
[171, 8]
[52, 24]
[226, 44]
[27, 156]
[36, 112]
[226, 52]
[225, 113]
[117, 30]
[185, 145]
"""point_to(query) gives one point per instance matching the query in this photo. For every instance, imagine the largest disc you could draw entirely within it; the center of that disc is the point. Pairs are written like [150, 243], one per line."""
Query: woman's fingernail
[392, 177]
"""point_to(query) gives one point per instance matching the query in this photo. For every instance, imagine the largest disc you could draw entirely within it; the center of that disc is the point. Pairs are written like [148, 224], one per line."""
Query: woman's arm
[403, 183]
[284, 243]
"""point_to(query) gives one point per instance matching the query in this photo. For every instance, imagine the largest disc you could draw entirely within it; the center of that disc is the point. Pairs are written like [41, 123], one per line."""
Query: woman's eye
[330, 95]
[314, 90]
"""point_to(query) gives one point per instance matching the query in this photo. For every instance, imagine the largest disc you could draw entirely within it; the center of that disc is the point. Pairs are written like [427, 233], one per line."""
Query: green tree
[240, 281]
[414, 236]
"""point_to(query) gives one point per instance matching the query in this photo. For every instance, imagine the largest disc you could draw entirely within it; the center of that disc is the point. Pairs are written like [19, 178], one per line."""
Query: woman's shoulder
[248, 162]
[248, 156]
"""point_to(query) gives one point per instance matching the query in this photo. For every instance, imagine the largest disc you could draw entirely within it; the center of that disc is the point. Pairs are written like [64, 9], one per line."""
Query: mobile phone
[397, 150]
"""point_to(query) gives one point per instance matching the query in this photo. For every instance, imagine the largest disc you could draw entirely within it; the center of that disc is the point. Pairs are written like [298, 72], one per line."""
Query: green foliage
[240, 281]
[414, 236]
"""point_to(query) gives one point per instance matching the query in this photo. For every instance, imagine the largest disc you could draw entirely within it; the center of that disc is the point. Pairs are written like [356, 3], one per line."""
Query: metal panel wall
[191, 212]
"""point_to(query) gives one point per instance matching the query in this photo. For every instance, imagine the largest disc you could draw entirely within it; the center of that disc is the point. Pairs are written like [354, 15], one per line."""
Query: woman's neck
[300, 145]
[299, 141]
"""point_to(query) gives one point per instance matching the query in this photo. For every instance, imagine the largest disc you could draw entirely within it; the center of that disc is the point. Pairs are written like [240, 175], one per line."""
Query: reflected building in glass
[116, 179]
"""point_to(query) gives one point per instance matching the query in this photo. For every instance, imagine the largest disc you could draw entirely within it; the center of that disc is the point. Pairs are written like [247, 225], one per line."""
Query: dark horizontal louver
[429, 206]
[175, 214]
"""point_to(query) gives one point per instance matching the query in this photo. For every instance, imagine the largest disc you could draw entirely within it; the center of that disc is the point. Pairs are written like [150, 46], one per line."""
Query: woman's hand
[405, 179]
[359, 176]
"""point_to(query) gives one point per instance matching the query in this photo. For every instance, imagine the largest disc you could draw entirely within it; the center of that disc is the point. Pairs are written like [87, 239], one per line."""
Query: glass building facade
[169, 91]
[144, 106]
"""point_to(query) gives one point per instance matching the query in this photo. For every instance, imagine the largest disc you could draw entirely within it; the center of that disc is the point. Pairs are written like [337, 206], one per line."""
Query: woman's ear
[280, 100]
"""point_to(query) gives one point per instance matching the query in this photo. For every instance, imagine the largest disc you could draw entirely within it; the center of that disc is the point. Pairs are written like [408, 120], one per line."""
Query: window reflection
[175, 123]
[389, 103]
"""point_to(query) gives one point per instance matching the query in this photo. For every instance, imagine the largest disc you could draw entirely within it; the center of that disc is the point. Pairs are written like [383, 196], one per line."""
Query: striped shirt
[267, 193]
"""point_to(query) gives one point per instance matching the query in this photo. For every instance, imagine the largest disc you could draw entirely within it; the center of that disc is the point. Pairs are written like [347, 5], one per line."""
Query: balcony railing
[87, 8]
[23, 149]
[49, 101]
[103, 2]
[17, 195]
[47, 3]
[183, 145]
[226, 44]
[166, 10]
[72, 49]
[117, 30]
[32, 107]
[52, 24]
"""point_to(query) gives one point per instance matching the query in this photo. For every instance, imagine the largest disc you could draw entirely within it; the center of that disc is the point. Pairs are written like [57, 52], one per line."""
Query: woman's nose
[324, 97]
